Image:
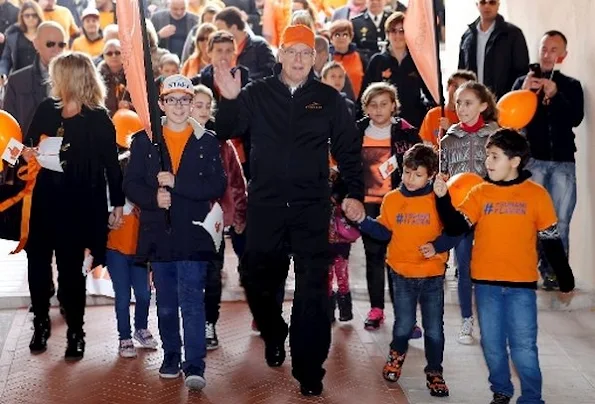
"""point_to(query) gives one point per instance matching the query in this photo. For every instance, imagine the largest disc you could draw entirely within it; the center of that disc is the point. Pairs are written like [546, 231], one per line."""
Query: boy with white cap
[177, 245]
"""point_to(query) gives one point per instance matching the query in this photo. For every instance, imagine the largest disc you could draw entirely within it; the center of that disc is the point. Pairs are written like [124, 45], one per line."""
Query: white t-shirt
[482, 41]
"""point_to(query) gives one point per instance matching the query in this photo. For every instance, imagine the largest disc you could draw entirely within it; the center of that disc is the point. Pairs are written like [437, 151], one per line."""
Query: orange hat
[295, 34]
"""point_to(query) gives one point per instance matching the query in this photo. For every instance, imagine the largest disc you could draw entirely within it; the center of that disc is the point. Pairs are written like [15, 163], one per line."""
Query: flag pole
[439, 75]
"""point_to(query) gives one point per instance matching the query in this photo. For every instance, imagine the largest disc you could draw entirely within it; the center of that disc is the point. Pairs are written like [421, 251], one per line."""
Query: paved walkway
[236, 372]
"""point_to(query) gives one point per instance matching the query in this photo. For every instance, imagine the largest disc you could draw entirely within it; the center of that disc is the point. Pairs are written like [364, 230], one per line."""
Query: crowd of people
[310, 125]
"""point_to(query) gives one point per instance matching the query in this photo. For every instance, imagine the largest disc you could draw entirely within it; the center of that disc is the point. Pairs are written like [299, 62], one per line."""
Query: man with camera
[550, 133]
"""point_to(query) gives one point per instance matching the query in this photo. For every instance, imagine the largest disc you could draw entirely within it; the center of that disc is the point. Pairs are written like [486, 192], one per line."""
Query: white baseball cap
[177, 83]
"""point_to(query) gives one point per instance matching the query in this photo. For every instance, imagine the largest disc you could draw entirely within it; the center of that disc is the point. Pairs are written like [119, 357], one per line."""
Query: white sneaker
[195, 382]
[145, 339]
[127, 349]
[466, 334]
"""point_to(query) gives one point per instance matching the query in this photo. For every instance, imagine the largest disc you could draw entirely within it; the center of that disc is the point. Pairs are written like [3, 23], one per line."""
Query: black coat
[366, 35]
[550, 133]
[72, 205]
[8, 16]
[289, 140]
[200, 179]
[506, 56]
[257, 56]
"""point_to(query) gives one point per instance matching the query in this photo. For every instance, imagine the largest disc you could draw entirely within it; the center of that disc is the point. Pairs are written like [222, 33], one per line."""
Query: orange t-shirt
[125, 238]
[62, 16]
[176, 142]
[430, 127]
[413, 221]
[352, 63]
[374, 154]
[507, 220]
[93, 49]
[106, 18]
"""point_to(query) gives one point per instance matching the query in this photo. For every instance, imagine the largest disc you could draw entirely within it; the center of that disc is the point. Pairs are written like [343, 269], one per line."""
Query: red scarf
[474, 128]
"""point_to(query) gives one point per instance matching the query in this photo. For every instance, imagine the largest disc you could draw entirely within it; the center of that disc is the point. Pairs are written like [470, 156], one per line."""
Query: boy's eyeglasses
[51, 44]
[490, 2]
[177, 101]
[113, 53]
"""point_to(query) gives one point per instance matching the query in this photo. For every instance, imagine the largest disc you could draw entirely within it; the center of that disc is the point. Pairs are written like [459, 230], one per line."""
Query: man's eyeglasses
[490, 2]
[292, 53]
[51, 44]
[341, 35]
[396, 31]
[30, 15]
[177, 101]
[113, 53]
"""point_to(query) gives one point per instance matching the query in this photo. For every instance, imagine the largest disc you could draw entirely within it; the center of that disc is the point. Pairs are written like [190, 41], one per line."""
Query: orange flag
[131, 40]
[420, 34]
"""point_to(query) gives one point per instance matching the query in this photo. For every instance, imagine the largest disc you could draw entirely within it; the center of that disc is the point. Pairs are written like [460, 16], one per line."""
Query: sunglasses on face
[396, 31]
[51, 44]
[490, 2]
[30, 15]
[113, 53]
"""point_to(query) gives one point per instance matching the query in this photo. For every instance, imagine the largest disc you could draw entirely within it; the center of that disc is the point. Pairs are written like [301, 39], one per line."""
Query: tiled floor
[236, 372]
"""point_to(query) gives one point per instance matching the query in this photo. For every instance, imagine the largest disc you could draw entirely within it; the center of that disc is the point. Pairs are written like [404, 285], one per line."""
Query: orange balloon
[9, 128]
[459, 186]
[517, 108]
[126, 123]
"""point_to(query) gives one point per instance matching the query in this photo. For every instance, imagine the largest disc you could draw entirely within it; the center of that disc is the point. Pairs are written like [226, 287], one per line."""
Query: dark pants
[264, 270]
[72, 283]
[376, 269]
[429, 292]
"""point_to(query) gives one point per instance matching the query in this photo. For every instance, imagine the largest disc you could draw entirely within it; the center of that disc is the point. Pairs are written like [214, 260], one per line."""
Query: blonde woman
[69, 210]
[199, 59]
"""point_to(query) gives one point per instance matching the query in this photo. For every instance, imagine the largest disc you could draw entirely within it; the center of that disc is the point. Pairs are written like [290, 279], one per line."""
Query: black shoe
[332, 306]
[311, 389]
[75, 350]
[42, 331]
[500, 399]
[345, 306]
[274, 354]
[211, 337]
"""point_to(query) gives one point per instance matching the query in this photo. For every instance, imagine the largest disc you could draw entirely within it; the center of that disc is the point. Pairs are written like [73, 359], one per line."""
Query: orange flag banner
[420, 34]
[132, 45]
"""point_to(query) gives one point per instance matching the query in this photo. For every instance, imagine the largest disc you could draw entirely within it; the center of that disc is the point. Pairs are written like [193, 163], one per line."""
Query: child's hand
[163, 198]
[444, 123]
[440, 188]
[353, 209]
[427, 250]
[166, 179]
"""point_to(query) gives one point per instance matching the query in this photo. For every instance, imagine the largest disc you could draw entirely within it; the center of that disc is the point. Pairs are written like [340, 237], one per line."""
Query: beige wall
[576, 19]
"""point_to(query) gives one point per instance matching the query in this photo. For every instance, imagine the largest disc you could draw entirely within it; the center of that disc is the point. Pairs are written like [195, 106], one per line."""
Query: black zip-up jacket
[506, 55]
[289, 140]
[403, 136]
[550, 132]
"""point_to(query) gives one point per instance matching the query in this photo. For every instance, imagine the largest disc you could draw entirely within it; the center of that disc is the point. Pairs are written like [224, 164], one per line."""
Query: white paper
[49, 153]
[87, 262]
[13, 151]
[213, 224]
[388, 167]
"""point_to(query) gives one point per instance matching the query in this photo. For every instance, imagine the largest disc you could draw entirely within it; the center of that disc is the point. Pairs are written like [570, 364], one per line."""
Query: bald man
[27, 87]
[173, 26]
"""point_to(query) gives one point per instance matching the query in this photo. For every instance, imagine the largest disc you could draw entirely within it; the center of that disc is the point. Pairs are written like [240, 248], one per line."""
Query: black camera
[536, 69]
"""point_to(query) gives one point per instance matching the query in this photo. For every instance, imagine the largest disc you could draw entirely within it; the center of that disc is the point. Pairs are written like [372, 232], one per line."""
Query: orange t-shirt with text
[374, 153]
[176, 142]
[430, 127]
[507, 220]
[413, 221]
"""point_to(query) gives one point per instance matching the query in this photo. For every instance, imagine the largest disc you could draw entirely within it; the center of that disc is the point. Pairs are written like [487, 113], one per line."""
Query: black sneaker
[345, 306]
[75, 350]
[550, 283]
[500, 399]
[332, 306]
[42, 331]
[211, 337]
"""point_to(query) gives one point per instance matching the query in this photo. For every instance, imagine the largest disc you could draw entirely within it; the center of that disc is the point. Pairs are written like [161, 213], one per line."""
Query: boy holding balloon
[508, 212]
[463, 151]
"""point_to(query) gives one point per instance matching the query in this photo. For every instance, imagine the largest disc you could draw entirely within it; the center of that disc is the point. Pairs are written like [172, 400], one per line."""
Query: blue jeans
[559, 178]
[181, 284]
[509, 316]
[429, 292]
[125, 274]
[463, 262]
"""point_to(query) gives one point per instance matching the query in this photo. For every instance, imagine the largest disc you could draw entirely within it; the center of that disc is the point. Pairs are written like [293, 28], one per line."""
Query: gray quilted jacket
[464, 152]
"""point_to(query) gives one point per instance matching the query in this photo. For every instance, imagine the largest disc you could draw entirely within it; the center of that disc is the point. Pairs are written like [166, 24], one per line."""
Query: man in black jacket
[253, 52]
[494, 49]
[291, 117]
[368, 29]
[550, 135]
